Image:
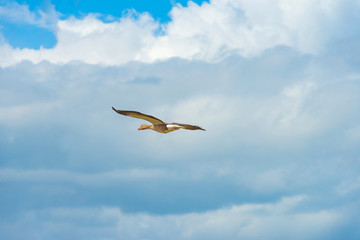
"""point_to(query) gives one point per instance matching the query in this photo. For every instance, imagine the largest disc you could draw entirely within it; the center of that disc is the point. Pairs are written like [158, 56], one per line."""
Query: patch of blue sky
[27, 36]
[159, 9]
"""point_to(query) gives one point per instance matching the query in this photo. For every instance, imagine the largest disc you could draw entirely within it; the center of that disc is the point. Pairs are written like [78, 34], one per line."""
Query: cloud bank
[276, 87]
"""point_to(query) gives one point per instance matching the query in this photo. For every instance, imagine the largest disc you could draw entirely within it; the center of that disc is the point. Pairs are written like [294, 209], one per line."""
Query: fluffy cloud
[208, 32]
[92, 41]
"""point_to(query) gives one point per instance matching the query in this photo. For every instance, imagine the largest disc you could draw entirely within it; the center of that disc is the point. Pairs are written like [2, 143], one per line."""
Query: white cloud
[208, 32]
[105, 43]
[92, 41]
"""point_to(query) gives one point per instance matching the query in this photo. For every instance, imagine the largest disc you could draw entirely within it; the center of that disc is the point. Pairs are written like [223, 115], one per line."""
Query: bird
[157, 124]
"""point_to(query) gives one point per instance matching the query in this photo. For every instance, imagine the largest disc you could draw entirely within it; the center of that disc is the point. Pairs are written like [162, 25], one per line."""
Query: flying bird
[157, 124]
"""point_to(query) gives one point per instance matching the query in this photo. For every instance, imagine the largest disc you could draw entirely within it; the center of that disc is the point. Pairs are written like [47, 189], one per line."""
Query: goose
[157, 124]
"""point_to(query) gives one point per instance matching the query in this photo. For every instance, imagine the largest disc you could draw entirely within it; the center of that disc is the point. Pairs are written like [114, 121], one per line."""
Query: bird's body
[157, 124]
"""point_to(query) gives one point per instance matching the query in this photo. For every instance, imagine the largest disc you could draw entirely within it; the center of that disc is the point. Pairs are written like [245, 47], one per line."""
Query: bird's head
[143, 126]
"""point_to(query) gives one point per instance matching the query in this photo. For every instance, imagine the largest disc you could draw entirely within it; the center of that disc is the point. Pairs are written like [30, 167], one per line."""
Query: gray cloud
[273, 220]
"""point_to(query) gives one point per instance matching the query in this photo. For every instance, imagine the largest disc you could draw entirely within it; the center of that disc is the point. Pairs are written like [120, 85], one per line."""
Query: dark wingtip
[200, 128]
[114, 109]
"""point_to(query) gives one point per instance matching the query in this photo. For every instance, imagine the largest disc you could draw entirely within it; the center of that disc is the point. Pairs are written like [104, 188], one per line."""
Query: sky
[275, 84]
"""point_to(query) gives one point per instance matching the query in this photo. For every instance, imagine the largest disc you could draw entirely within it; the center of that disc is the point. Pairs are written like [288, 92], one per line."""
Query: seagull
[157, 124]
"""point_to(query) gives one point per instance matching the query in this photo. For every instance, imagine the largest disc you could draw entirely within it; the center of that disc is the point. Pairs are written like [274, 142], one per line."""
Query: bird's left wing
[140, 115]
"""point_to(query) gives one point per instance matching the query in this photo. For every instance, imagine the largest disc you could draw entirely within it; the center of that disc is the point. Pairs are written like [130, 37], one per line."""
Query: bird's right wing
[189, 127]
[139, 115]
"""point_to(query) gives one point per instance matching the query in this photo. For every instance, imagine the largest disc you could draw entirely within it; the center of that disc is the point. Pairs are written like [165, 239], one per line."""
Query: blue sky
[275, 84]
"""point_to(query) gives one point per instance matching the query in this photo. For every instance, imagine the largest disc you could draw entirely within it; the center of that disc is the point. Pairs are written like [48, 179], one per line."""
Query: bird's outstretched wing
[140, 115]
[189, 127]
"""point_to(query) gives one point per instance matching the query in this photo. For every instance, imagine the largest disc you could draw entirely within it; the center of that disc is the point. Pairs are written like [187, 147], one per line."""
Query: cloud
[26, 114]
[61, 176]
[92, 41]
[284, 107]
[349, 186]
[279, 100]
[272, 220]
[14, 12]
[209, 32]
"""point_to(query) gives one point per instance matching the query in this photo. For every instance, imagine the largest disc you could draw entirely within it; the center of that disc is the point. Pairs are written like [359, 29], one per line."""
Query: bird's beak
[139, 129]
